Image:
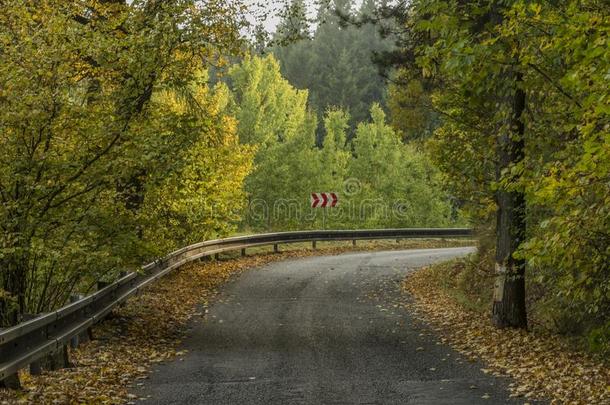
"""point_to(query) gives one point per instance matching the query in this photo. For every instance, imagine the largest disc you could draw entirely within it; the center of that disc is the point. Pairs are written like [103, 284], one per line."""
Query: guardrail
[30, 341]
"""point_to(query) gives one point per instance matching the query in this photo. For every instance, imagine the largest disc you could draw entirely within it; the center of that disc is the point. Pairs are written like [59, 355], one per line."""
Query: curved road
[321, 330]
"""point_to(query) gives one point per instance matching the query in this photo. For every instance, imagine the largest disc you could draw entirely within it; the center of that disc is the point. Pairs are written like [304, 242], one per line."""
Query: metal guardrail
[32, 340]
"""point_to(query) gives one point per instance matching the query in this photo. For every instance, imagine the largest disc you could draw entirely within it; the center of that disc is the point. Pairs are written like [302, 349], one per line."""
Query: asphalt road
[321, 330]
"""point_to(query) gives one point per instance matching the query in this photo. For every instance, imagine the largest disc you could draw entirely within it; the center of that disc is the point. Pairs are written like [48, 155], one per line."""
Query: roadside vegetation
[454, 299]
[381, 181]
[517, 95]
[111, 142]
[129, 130]
[468, 282]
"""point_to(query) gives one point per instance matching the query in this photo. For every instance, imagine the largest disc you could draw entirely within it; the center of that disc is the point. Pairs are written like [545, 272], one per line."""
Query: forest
[131, 129]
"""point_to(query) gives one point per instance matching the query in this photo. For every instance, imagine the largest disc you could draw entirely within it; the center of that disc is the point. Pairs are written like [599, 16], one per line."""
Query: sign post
[324, 200]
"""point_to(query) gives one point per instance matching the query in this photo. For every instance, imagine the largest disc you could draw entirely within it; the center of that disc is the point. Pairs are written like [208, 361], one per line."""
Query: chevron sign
[323, 200]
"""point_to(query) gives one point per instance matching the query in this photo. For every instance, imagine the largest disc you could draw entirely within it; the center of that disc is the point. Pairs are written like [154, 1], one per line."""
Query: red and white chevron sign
[323, 200]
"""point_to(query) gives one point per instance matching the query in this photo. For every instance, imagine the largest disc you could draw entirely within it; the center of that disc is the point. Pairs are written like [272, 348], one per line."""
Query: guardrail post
[354, 242]
[313, 244]
[88, 335]
[243, 252]
[276, 248]
[122, 274]
[53, 361]
[35, 366]
[217, 256]
[11, 382]
[57, 360]
[74, 341]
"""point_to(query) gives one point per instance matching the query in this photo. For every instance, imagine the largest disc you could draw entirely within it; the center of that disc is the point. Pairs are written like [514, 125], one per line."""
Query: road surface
[321, 330]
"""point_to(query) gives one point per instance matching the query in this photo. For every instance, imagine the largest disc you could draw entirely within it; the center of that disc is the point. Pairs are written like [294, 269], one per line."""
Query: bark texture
[509, 290]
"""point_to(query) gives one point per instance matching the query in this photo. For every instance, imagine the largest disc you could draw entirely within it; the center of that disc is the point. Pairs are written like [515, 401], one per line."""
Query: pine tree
[336, 65]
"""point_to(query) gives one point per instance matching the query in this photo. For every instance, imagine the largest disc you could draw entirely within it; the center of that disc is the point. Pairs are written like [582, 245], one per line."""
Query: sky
[266, 11]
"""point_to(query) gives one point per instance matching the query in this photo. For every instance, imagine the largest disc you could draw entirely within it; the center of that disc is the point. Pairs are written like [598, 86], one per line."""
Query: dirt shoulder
[542, 365]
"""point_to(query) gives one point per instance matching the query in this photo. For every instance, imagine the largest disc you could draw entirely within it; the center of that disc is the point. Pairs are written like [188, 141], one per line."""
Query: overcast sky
[266, 11]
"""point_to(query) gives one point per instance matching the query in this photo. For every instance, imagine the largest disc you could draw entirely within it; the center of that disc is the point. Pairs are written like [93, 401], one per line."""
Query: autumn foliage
[112, 147]
[466, 64]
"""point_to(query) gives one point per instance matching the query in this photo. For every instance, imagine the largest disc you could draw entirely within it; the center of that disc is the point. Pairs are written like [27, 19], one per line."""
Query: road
[321, 330]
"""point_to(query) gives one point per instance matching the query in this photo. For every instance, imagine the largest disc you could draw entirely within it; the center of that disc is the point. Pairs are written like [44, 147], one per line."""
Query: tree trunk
[509, 290]
[14, 284]
[9, 313]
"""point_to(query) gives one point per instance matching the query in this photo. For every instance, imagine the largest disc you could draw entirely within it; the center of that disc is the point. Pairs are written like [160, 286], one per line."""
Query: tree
[410, 107]
[398, 187]
[294, 25]
[509, 289]
[335, 154]
[273, 118]
[77, 82]
[461, 41]
[394, 184]
[200, 195]
[336, 65]
[500, 82]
